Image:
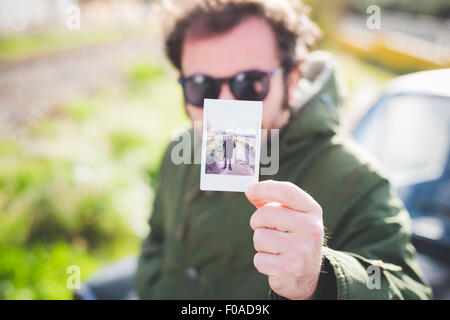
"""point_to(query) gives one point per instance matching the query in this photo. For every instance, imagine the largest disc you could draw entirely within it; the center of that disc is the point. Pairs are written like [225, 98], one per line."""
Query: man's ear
[294, 77]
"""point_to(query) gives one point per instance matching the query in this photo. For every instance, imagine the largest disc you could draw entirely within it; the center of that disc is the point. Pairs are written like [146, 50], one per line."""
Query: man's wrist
[326, 286]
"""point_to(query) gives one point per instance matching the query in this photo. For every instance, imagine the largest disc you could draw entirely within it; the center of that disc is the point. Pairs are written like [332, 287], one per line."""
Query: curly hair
[295, 32]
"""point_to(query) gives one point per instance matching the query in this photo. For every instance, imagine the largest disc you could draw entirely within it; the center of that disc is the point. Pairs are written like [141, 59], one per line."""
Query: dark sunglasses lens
[252, 86]
[198, 88]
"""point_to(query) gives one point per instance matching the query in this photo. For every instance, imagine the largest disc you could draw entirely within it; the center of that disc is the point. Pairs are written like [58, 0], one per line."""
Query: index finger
[283, 192]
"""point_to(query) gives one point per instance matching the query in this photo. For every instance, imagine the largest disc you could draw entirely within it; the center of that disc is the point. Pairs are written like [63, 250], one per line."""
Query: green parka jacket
[200, 244]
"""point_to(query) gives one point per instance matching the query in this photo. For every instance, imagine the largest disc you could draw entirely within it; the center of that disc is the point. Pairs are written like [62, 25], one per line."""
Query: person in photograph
[326, 225]
[228, 148]
[247, 152]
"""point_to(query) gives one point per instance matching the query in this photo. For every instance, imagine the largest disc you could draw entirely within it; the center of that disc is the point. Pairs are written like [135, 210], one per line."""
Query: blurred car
[408, 131]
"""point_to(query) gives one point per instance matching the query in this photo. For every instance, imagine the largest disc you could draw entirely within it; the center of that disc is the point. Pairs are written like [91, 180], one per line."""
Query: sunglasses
[250, 85]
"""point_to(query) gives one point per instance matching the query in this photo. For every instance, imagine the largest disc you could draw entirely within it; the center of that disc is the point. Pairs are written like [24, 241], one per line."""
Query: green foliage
[79, 109]
[45, 204]
[26, 44]
[40, 271]
[143, 72]
[122, 141]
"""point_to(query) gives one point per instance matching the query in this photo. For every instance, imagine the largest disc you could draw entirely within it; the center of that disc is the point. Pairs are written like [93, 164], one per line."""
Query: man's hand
[288, 237]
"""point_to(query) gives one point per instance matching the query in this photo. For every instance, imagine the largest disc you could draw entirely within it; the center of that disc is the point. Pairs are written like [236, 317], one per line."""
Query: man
[214, 245]
[228, 147]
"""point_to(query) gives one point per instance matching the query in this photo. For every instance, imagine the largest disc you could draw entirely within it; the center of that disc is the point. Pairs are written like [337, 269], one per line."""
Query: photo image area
[230, 145]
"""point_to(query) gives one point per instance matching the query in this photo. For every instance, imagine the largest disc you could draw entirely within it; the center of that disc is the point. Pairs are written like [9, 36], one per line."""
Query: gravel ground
[33, 88]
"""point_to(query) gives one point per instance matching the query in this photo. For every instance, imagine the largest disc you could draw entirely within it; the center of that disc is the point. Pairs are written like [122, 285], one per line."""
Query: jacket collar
[318, 99]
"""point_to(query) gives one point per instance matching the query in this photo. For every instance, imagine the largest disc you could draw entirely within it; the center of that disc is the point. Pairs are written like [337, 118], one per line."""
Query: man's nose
[225, 92]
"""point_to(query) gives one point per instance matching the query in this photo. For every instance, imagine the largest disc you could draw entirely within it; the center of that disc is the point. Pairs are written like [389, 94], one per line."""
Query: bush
[144, 72]
[123, 141]
[40, 271]
[46, 204]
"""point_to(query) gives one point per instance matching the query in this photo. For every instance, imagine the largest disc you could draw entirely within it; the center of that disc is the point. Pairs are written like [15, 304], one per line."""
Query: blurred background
[88, 105]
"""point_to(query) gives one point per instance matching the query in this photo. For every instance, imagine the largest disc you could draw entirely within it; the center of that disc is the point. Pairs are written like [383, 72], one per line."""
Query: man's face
[251, 45]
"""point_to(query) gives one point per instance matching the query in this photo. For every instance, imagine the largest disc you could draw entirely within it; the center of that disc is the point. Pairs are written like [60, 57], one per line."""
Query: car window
[410, 135]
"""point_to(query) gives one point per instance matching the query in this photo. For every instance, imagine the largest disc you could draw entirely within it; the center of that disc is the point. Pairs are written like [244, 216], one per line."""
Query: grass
[15, 46]
[43, 270]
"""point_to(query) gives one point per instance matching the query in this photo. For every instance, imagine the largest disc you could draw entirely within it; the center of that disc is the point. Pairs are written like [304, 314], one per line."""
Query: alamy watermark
[74, 280]
[73, 21]
[181, 153]
[374, 20]
[374, 279]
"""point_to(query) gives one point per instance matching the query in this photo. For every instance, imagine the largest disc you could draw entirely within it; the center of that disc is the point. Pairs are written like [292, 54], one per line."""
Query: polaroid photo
[230, 145]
